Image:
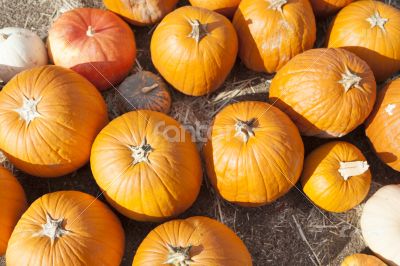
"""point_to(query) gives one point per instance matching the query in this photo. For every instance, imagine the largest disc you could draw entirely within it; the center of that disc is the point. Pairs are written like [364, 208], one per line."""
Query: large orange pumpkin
[370, 29]
[326, 92]
[143, 12]
[194, 49]
[49, 117]
[147, 165]
[193, 241]
[13, 204]
[336, 176]
[271, 32]
[323, 8]
[383, 126]
[362, 260]
[224, 7]
[67, 228]
[95, 43]
[254, 154]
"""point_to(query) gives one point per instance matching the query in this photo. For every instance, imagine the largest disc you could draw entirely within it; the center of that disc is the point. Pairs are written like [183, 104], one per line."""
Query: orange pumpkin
[147, 165]
[362, 260]
[49, 117]
[271, 32]
[326, 92]
[224, 7]
[13, 204]
[193, 241]
[143, 12]
[383, 126]
[197, 44]
[144, 90]
[336, 176]
[254, 154]
[324, 8]
[370, 29]
[88, 41]
[66, 228]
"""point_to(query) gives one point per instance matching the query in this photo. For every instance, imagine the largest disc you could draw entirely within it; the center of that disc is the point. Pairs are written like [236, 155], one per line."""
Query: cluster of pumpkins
[53, 119]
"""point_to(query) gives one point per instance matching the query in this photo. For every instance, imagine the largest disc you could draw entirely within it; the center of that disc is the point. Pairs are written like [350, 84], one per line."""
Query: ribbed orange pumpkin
[370, 29]
[193, 241]
[147, 165]
[323, 8]
[254, 154]
[336, 176]
[143, 12]
[95, 43]
[362, 260]
[326, 92]
[383, 126]
[224, 7]
[194, 49]
[49, 117]
[13, 204]
[271, 32]
[67, 228]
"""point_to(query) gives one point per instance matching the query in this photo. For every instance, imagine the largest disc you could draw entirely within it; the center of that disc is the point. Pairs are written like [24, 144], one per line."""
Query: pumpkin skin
[382, 127]
[144, 90]
[141, 13]
[148, 166]
[326, 92]
[254, 154]
[378, 46]
[380, 222]
[206, 61]
[336, 176]
[49, 117]
[224, 7]
[263, 45]
[20, 49]
[362, 260]
[88, 41]
[324, 8]
[86, 232]
[13, 204]
[203, 240]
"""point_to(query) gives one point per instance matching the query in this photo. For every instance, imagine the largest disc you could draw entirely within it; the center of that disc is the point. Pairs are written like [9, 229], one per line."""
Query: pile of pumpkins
[53, 119]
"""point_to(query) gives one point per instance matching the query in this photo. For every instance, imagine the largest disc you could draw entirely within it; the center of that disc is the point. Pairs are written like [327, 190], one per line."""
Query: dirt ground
[291, 231]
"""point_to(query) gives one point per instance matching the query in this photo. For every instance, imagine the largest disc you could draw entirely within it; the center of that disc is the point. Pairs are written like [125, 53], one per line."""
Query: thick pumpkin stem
[277, 4]
[149, 88]
[141, 153]
[198, 30]
[53, 228]
[178, 256]
[245, 129]
[377, 21]
[90, 31]
[349, 80]
[349, 169]
[4, 36]
[28, 111]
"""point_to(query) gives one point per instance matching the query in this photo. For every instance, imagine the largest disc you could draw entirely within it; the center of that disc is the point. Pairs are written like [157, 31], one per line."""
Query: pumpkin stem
[349, 169]
[178, 256]
[198, 30]
[349, 80]
[377, 21]
[277, 4]
[53, 228]
[141, 153]
[149, 88]
[28, 111]
[4, 36]
[245, 129]
[90, 31]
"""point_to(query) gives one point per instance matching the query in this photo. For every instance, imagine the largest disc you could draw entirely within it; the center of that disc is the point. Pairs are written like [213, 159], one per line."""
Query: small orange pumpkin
[362, 260]
[326, 92]
[193, 241]
[143, 12]
[147, 165]
[88, 41]
[194, 49]
[49, 118]
[370, 29]
[254, 154]
[13, 204]
[324, 8]
[224, 7]
[271, 32]
[67, 228]
[336, 176]
[383, 126]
